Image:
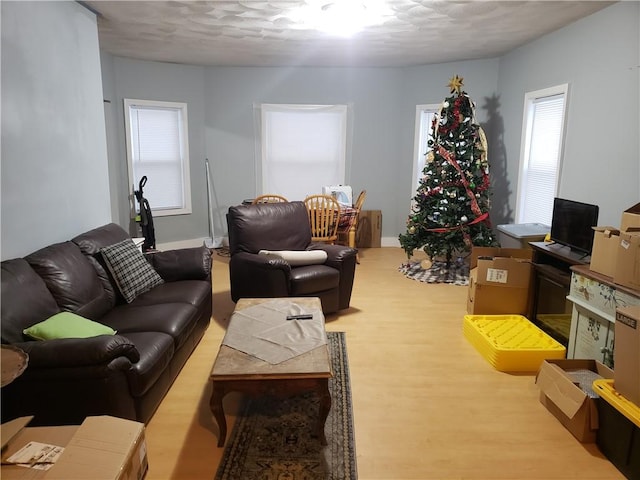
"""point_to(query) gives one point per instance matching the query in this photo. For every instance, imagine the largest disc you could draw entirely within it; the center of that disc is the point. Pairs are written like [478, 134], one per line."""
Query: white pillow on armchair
[296, 258]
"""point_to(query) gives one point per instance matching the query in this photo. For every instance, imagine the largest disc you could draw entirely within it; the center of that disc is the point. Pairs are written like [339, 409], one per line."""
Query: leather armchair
[285, 226]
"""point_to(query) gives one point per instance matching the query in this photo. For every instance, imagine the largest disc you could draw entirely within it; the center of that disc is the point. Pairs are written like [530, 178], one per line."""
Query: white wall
[54, 163]
[601, 152]
[158, 81]
[428, 84]
[375, 101]
[382, 102]
[54, 158]
[598, 57]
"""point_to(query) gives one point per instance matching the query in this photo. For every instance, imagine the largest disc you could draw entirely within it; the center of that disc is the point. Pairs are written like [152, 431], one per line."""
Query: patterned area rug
[456, 273]
[273, 439]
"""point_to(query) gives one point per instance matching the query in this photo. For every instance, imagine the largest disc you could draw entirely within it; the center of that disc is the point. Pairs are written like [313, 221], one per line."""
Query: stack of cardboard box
[499, 281]
[619, 406]
[591, 419]
[616, 252]
[613, 419]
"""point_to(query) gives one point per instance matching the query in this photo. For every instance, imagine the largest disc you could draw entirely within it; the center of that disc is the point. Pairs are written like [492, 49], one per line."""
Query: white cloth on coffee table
[263, 331]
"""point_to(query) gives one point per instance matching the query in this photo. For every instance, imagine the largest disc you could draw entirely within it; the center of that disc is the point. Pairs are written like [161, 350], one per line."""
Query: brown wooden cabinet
[550, 309]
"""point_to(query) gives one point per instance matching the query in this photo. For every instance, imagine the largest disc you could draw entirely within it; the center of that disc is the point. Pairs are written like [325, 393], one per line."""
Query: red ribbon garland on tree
[455, 123]
[479, 219]
[475, 208]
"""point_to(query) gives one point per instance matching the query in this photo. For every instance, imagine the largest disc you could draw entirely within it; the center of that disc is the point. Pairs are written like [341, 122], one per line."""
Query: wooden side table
[14, 361]
[234, 370]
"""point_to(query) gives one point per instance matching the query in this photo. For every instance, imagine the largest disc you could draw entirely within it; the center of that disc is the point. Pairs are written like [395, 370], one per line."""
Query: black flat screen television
[571, 224]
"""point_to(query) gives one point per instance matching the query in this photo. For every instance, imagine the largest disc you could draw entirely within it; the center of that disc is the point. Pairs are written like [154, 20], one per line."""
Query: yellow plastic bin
[511, 343]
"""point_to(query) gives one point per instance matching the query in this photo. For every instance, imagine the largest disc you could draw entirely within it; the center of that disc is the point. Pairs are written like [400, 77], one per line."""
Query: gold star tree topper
[455, 84]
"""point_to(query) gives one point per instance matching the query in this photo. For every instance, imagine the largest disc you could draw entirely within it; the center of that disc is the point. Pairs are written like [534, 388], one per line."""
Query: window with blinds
[157, 147]
[424, 119]
[541, 154]
[304, 148]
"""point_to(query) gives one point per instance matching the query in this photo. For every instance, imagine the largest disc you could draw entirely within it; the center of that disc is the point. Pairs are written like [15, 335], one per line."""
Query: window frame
[530, 100]
[418, 140]
[183, 134]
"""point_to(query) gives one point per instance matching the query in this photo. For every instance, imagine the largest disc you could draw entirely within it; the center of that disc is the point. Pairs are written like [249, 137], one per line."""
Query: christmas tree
[450, 213]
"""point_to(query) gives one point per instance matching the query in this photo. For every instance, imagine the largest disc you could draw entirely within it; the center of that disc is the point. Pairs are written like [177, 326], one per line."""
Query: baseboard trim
[194, 242]
[197, 242]
[390, 242]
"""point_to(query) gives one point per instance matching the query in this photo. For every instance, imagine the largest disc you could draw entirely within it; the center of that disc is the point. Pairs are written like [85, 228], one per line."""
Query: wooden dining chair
[324, 216]
[349, 222]
[269, 198]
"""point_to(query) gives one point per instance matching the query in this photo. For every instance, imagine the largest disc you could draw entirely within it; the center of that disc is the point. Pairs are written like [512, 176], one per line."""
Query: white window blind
[424, 118]
[303, 148]
[541, 155]
[157, 148]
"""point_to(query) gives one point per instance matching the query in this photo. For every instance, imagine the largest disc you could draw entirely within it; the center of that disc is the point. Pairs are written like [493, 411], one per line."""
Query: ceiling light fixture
[342, 18]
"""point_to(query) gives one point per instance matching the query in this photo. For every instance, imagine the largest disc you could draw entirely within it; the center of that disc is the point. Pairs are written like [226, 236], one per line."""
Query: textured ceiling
[260, 33]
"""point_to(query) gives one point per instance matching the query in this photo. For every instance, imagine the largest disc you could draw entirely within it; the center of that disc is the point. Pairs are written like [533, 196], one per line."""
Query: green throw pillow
[67, 325]
[132, 272]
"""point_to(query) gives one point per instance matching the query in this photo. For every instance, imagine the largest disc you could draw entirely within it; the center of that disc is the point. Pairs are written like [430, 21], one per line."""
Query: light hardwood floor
[426, 404]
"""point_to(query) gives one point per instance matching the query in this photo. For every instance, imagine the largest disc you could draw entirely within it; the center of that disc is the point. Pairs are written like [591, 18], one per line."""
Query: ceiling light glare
[343, 18]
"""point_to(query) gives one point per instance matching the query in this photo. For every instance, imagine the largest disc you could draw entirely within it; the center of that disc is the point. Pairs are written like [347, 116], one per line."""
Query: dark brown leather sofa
[124, 375]
[277, 227]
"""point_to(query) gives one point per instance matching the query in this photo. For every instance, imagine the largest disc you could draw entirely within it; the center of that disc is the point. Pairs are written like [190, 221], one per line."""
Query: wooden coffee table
[236, 371]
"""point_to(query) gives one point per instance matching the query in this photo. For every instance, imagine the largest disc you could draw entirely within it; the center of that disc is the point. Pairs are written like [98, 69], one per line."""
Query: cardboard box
[369, 229]
[102, 448]
[626, 355]
[604, 253]
[630, 218]
[564, 398]
[499, 281]
[627, 271]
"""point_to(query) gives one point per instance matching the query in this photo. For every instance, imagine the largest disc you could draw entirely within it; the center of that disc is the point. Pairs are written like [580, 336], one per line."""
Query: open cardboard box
[566, 400]
[630, 218]
[605, 250]
[499, 281]
[102, 448]
[627, 271]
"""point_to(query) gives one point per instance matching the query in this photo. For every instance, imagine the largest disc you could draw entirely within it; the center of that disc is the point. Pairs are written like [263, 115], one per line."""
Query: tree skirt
[274, 439]
[456, 273]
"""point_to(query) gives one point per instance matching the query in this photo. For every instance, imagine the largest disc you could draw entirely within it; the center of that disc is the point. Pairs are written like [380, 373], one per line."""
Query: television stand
[550, 310]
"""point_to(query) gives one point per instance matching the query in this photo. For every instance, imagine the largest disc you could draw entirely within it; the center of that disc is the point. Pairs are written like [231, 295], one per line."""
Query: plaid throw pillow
[131, 271]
